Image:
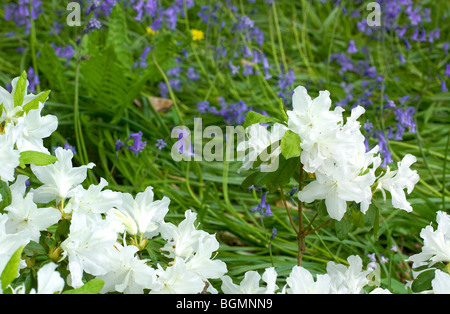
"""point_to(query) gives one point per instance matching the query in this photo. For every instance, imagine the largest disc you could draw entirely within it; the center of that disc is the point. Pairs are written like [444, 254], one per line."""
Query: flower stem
[301, 234]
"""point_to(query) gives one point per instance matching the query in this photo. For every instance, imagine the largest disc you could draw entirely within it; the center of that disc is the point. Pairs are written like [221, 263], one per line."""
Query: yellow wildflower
[197, 34]
[150, 31]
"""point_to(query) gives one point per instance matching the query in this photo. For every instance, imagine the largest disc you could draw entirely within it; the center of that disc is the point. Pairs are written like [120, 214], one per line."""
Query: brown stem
[288, 212]
[317, 228]
[301, 235]
[310, 223]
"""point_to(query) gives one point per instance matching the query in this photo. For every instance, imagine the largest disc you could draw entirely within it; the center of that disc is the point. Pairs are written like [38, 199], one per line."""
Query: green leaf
[273, 180]
[11, 269]
[34, 104]
[21, 87]
[290, 145]
[344, 225]
[423, 281]
[282, 111]
[5, 192]
[36, 158]
[254, 117]
[92, 287]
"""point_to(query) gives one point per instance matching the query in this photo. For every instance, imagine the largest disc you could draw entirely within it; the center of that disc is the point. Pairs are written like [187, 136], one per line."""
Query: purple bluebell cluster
[263, 207]
[133, 143]
[137, 144]
[20, 13]
[404, 18]
[142, 61]
[64, 52]
[100, 7]
[157, 15]
[33, 80]
[160, 144]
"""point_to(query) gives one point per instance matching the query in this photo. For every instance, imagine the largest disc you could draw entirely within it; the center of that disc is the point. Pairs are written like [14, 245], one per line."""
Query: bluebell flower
[118, 145]
[65, 52]
[160, 144]
[93, 24]
[263, 207]
[444, 88]
[203, 106]
[33, 80]
[447, 70]
[138, 145]
[192, 75]
[175, 71]
[274, 233]
[352, 47]
[142, 61]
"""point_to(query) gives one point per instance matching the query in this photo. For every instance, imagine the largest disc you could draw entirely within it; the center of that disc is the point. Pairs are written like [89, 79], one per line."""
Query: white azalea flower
[260, 142]
[36, 128]
[177, 279]
[89, 247]
[143, 214]
[10, 242]
[316, 125]
[338, 186]
[59, 179]
[349, 280]
[49, 280]
[90, 203]
[9, 157]
[128, 274]
[300, 281]
[379, 290]
[251, 283]
[182, 240]
[201, 262]
[398, 180]
[23, 213]
[441, 283]
[436, 243]
[10, 109]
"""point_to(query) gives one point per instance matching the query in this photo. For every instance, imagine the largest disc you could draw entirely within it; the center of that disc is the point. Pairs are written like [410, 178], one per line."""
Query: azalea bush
[224, 147]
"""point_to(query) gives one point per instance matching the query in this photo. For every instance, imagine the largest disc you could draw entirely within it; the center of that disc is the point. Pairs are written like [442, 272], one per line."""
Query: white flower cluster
[107, 230]
[436, 249]
[21, 126]
[339, 279]
[334, 151]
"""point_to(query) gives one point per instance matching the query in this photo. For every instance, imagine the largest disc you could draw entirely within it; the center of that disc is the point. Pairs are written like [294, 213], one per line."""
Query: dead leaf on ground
[161, 104]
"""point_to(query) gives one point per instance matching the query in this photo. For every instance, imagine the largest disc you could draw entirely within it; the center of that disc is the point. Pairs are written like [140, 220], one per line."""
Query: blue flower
[263, 208]
[138, 145]
[160, 144]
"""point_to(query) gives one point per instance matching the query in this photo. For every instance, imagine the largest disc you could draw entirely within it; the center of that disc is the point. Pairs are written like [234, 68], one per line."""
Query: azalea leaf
[344, 225]
[254, 117]
[35, 158]
[34, 104]
[21, 87]
[290, 145]
[11, 269]
[5, 193]
[423, 281]
[273, 180]
[92, 287]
